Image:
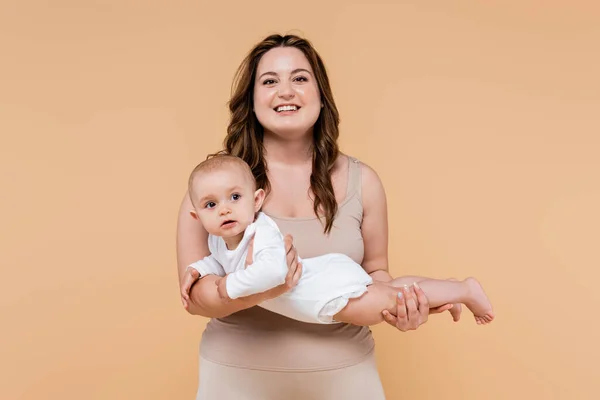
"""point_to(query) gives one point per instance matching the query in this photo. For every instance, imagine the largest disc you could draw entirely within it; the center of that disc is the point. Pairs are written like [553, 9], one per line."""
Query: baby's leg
[469, 292]
[366, 309]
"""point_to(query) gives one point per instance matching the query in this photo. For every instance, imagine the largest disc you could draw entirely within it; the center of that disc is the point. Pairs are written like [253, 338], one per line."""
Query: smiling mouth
[286, 108]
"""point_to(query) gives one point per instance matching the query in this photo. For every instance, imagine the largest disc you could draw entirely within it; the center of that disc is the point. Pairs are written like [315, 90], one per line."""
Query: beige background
[482, 119]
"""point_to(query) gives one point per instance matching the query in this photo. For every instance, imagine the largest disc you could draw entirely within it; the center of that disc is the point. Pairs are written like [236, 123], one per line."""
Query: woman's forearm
[205, 300]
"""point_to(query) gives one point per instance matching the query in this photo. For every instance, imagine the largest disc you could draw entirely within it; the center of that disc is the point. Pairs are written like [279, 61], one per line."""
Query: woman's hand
[412, 309]
[294, 269]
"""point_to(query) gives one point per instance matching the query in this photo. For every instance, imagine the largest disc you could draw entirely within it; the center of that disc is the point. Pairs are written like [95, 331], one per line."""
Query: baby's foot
[478, 302]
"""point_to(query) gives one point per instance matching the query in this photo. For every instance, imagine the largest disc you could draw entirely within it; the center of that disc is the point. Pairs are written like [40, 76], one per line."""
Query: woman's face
[286, 95]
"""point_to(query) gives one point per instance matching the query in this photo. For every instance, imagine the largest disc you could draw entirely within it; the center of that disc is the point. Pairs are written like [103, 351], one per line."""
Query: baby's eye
[210, 204]
[236, 196]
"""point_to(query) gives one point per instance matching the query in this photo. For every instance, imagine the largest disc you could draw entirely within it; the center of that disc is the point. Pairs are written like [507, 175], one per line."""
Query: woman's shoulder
[371, 189]
[368, 174]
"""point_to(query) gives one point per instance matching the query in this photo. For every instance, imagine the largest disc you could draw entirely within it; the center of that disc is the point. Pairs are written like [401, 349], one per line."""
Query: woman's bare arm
[413, 307]
[374, 225]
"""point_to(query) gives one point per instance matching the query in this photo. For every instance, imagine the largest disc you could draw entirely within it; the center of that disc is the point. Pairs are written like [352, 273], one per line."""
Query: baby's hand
[189, 278]
[222, 288]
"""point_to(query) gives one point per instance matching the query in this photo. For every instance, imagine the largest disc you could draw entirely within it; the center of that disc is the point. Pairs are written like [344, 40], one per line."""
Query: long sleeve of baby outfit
[208, 266]
[269, 267]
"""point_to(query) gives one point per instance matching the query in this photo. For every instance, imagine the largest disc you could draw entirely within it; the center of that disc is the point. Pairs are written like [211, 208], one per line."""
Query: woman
[284, 124]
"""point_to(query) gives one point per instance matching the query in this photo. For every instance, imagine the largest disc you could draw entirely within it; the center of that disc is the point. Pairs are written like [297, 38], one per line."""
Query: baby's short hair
[219, 161]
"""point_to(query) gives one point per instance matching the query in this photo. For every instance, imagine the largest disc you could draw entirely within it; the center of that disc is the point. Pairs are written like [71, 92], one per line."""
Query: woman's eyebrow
[301, 70]
[293, 72]
[268, 73]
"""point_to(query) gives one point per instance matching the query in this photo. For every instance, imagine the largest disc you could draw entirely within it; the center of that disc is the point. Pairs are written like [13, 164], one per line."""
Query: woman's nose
[285, 91]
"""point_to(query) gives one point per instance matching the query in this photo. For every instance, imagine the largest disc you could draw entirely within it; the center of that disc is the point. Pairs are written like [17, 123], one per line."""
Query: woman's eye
[236, 197]
[210, 204]
[269, 82]
[301, 79]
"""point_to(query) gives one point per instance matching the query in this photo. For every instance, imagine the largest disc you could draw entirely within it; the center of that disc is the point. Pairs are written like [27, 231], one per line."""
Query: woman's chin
[290, 131]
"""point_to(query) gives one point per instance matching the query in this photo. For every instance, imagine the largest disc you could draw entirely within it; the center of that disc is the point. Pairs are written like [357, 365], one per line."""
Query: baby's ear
[259, 198]
[193, 214]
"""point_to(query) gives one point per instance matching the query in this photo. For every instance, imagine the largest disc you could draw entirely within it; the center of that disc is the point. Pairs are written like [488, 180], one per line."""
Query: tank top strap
[354, 179]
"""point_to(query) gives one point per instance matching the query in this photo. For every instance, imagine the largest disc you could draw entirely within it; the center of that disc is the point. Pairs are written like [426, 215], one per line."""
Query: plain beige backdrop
[482, 119]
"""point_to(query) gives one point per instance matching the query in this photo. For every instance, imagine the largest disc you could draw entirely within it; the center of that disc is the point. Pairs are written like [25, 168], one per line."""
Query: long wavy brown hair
[245, 134]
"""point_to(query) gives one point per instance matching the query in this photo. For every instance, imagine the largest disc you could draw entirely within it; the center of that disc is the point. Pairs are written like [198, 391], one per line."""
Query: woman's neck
[286, 151]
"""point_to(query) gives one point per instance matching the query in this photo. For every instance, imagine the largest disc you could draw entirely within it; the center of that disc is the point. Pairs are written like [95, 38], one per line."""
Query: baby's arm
[207, 266]
[267, 271]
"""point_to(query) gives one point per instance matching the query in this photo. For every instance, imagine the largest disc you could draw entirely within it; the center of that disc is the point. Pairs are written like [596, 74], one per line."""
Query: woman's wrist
[381, 275]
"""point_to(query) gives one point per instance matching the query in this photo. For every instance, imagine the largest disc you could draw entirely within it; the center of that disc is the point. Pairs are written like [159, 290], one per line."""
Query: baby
[332, 289]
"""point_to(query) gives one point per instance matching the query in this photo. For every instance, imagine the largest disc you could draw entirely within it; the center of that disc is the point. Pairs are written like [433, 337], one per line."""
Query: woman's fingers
[389, 318]
[402, 322]
[250, 253]
[440, 309]
[294, 267]
[297, 274]
[290, 250]
[423, 302]
[412, 308]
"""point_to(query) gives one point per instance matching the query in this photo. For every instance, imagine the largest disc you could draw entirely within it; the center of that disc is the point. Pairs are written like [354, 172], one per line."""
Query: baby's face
[225, 201]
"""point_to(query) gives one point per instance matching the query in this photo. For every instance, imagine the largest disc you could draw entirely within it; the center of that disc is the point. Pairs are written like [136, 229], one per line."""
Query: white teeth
[287, 108]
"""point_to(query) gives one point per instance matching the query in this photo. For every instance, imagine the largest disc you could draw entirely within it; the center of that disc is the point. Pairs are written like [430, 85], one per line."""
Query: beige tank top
[259, 339]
